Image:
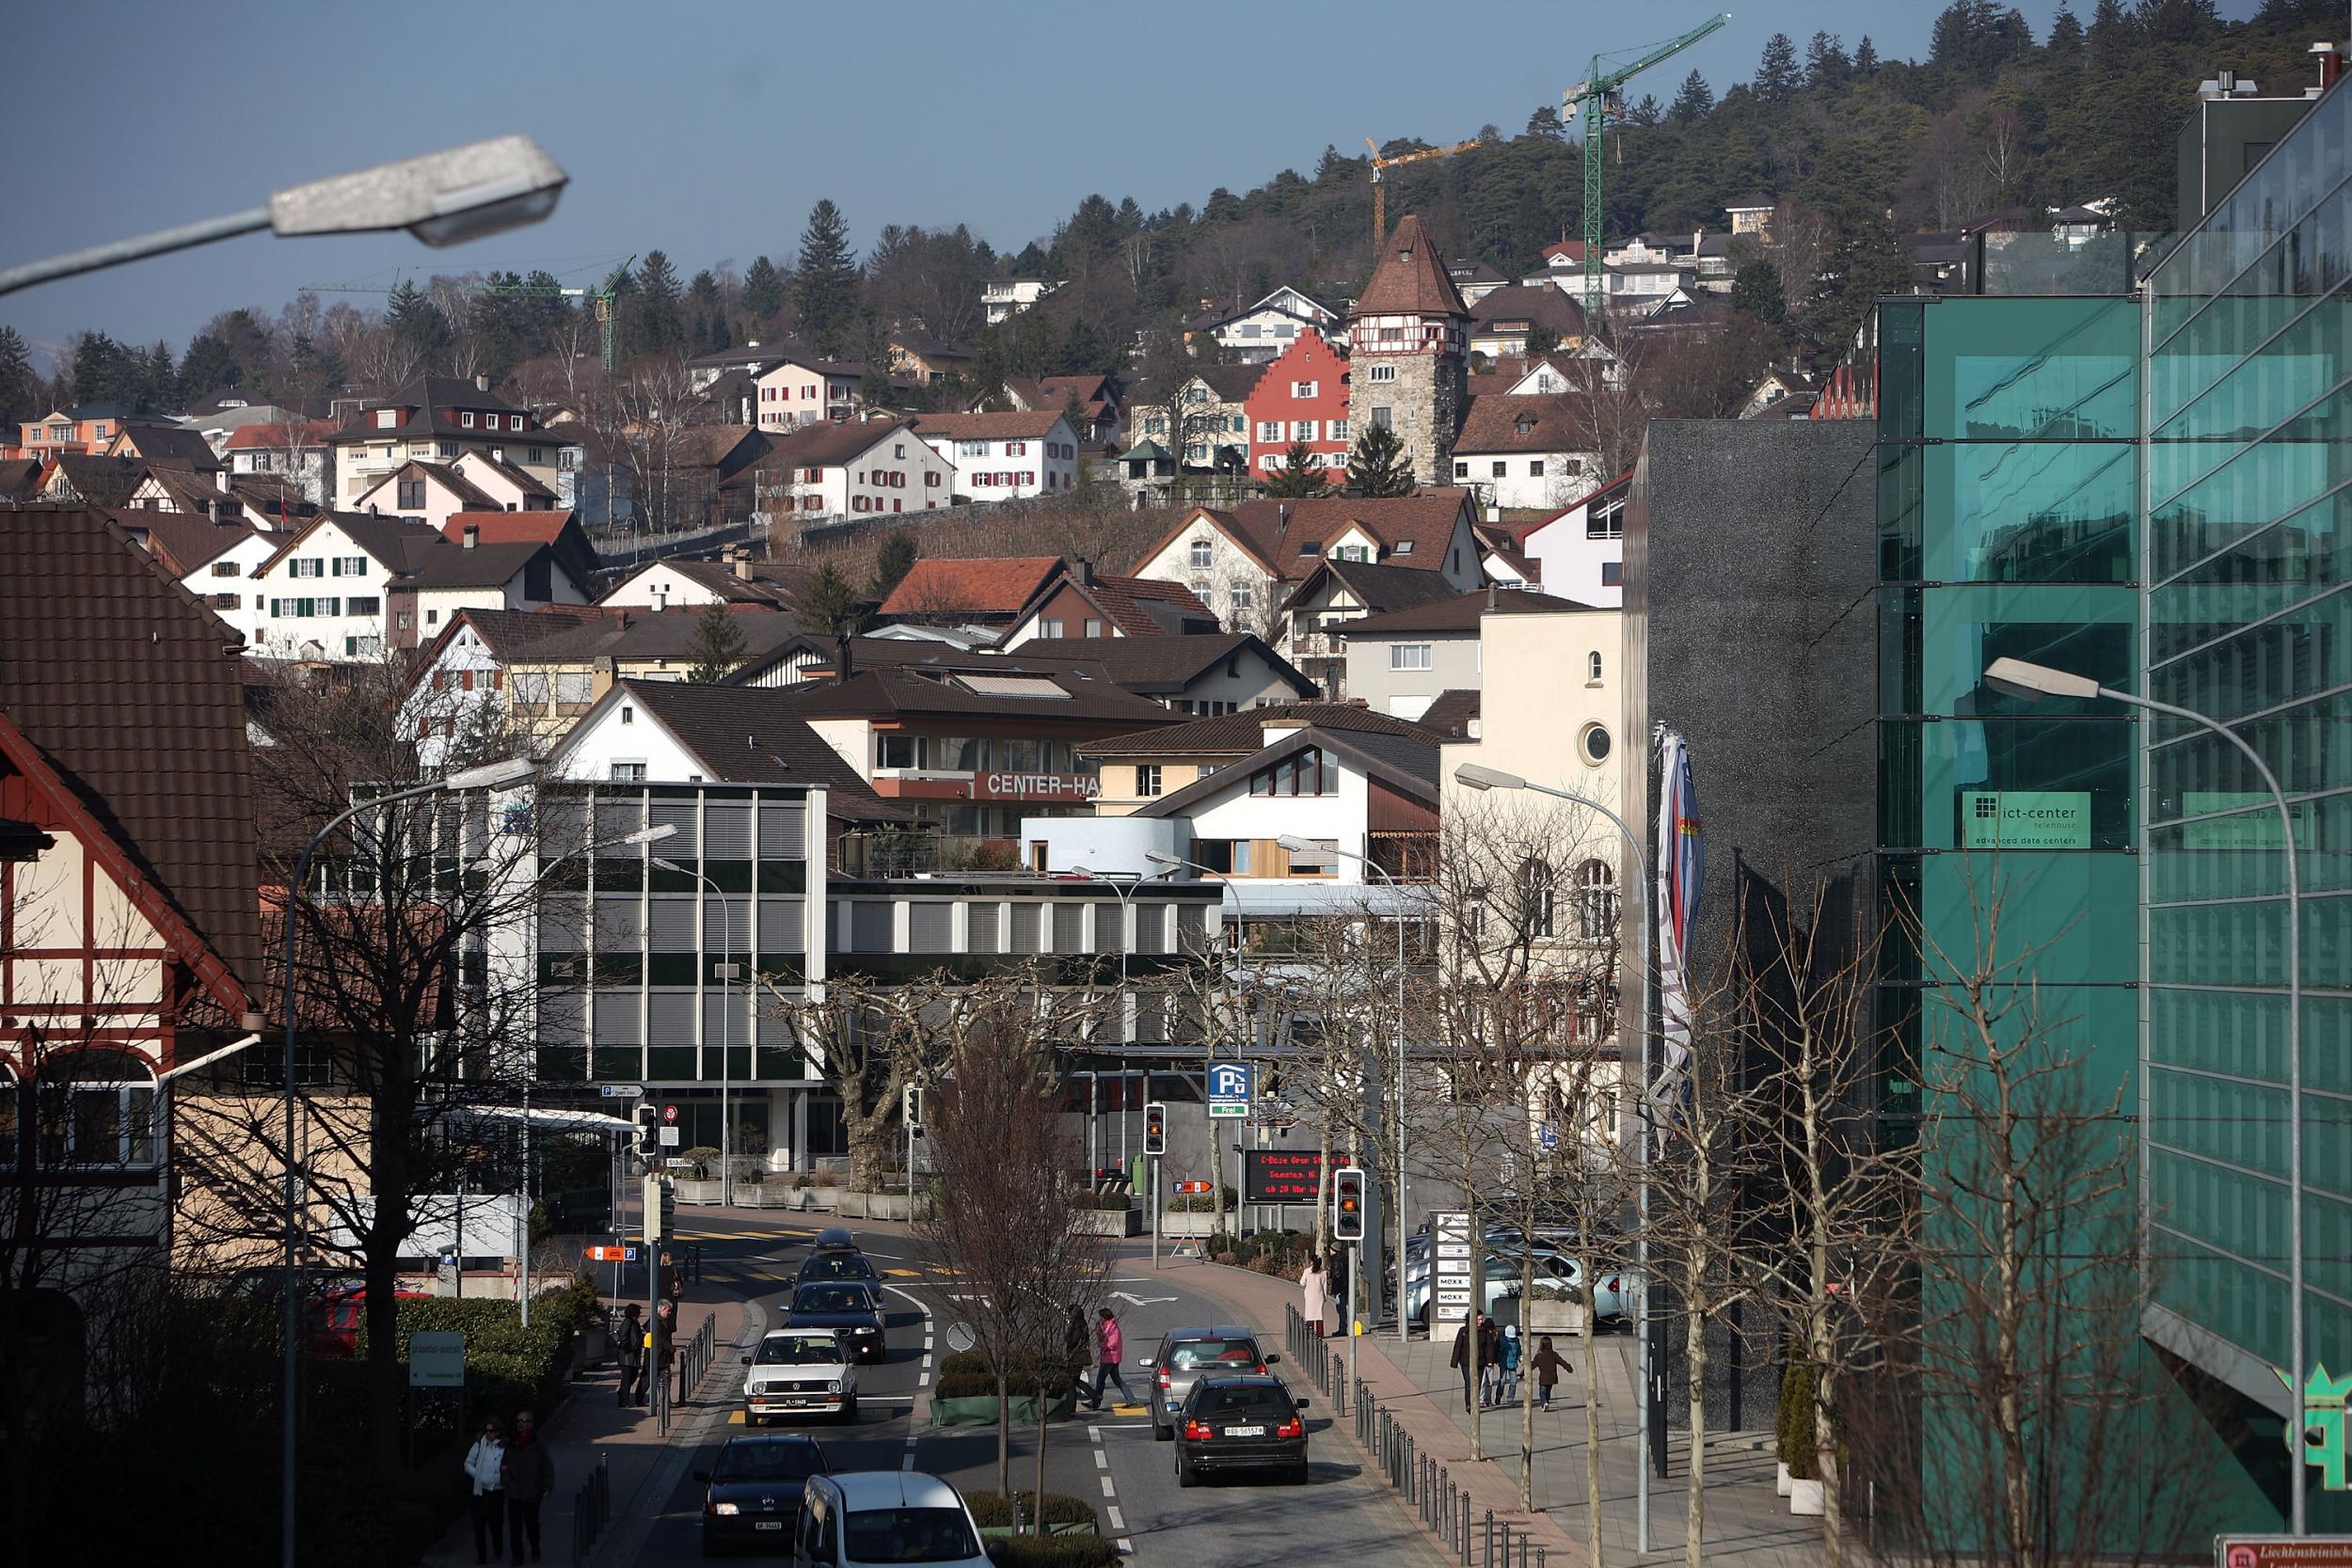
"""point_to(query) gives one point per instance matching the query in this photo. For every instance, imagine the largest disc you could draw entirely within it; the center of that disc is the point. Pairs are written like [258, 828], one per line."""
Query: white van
[885, 1516]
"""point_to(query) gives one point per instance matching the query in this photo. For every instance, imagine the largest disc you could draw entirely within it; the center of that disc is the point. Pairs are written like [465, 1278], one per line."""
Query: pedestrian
[1548, 1364]
[1077, 1345]
[485, 1466]
[530, 1475]
[1466, 1356]
[1314, 1288]
[1111, 1345]
[1489, 1360]
[664, 1345]
[632, 1357]
[1511, 1364]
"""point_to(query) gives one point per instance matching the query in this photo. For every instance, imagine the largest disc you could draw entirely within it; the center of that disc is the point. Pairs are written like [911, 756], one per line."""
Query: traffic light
[914, 1107]
[1347, 1204]
[648, 1131]
[1156, 1128]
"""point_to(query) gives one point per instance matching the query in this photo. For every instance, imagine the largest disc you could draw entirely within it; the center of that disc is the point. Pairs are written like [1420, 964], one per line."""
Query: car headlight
[833, 1388]
[726, 1508]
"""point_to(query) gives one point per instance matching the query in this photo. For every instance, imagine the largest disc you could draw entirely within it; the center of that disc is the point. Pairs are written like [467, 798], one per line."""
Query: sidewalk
[590, 1427]
[1746, 1526]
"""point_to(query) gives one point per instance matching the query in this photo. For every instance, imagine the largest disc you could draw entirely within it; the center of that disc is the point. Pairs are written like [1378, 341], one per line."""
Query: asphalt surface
[1344, 1515]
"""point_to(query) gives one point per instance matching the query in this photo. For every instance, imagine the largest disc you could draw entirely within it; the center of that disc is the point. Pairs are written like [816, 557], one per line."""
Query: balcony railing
[901, 854]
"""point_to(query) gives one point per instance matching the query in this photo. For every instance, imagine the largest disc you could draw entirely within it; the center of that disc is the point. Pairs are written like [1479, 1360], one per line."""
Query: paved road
[1343, 1514]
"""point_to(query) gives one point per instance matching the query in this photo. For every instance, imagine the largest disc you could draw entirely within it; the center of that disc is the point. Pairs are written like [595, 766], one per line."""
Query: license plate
[767, 1524]
[1245, 1431]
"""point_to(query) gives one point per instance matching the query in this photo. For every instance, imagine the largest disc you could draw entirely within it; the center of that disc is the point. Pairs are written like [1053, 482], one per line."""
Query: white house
[801, 389]
[1003, 457]
[1254, 334]
[1581, 551]
[323, 592]
[440, 418]
[1004, 297]
[848, 469]
[1526, 452]
[212, 560]
[295, 451]
[522, 575]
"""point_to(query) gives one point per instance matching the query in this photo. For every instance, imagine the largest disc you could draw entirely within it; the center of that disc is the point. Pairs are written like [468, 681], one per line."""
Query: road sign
[961, 1337]
[2282, 1551]
[612, 1255]
[669, 1114]
[1190, 1189]
[437, 1361]
[1281, 1175]
[669, 1137]
[622, 1091]
[1450, 1282]
[1230, 1084]
[1548, 1137]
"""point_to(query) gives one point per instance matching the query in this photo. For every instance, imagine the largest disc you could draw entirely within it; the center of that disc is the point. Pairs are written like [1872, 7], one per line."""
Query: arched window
[1596, 901]
[1536, 898]
[98, 1108]
[1591, 665]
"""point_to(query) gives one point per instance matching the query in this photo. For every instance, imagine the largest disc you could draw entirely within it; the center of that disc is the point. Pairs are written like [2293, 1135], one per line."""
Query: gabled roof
[1459, 613]
[183, 541]
[1380, 588]
[1411, 278]
[749, 734]
[531, 487]
[772, 583]
[950, 586]
[18, 476]
[630, 635]
[1275, 532]
[447, 565]
[1075, 696]
[189, 490]
[1157, 665]
[117, 677]
[1016, 426]
[508, 633]
[1529, 423]
[396, 544]
[1453, 711]
[469, 494]
[559, 529]
[1539, 303]
[1404, 761]
[1122, 600]
[1241, 733]
[424, 399]
[177, 445]
[1565, 250]
[99, 480]
[830, 444]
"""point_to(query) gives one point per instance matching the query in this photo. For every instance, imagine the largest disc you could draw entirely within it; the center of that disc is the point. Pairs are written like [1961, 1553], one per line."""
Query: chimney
[481, 383]
[744, 565]
[841, 657]
[473, 534]
[2330, 63]
[211, 509]
[1086, 572]
[220, 478]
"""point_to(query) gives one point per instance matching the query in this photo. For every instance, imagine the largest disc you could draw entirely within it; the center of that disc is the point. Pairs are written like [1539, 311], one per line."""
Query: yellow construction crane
[1380, 187]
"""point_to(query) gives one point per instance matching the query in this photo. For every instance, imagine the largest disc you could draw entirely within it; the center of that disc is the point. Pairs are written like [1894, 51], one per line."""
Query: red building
[1302, 396]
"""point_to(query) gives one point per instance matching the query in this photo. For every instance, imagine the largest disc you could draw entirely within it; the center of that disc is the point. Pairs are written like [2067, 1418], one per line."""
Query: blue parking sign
[1229, 1085]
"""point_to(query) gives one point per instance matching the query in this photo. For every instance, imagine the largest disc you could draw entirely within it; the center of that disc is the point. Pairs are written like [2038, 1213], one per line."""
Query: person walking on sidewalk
[485, 1468]
[1111, 1347]
[632, 1357]
[530, 1474]
[664, 1343]
[1510, 1348]
[1489, 1362]
[1548, 1363]
[1315, 1289]
[1468, 1344]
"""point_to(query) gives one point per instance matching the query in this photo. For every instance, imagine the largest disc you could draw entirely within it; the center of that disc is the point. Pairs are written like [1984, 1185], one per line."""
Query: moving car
[1241, 1423]
[800, 1372]
[751, 1492]
[880, 1516]
[1187, 1354]
[849, 1308]
[831, 1263]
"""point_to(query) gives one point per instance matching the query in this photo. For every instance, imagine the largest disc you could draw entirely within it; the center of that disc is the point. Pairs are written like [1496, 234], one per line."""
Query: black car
[751, 1492]
[849, 1308]
[1241, 1423]
[827, 1264]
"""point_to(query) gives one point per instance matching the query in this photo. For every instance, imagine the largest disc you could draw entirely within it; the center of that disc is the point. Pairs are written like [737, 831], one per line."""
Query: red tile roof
[1411, 278]
[987, 427]
[276, 437]
[952, 586]
[1556, 422]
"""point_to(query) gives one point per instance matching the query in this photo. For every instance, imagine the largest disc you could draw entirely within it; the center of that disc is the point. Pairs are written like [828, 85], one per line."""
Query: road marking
[1109, 1490]
[1141, 1301]
[927, 1352]
[918, 1273]
[735, 1417]
[1126, 1547]
[1118, 1520]
[1122, 1426]
[1095, 1432]
[922, 1380]
[1102, 1459]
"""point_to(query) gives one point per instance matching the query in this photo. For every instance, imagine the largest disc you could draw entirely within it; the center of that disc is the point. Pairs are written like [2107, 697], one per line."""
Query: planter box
[873, 1206]
[762, 1195]
[1781, 1483]
[1193, 1225]
[692, 1191]
[982, 1412]
[1554, 1317]
[1110, 1222]
[1805, 1499]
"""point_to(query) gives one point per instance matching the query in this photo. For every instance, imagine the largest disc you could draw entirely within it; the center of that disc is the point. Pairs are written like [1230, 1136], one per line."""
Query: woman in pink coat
[1315, 1288]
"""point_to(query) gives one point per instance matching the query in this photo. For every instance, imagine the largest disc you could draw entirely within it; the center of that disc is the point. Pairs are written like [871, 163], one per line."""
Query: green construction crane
[601, 298]
[1598, 98]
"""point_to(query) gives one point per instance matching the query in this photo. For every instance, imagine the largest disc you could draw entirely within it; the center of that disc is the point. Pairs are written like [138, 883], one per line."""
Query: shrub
[1557, 1291]
[992, 1510]
[1021, 1382]
[1113, 1201]
[507, 1366]
[963, 1361]
[700, 1157]
[1203, 1203]
[1797, 1422]
[1057, 1551]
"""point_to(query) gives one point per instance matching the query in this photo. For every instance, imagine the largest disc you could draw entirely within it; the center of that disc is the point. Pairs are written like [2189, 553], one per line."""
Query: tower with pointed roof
[1409, 347]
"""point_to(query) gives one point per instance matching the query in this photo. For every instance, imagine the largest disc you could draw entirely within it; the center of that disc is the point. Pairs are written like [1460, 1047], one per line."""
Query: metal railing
[591, 1509]
[693, 1360]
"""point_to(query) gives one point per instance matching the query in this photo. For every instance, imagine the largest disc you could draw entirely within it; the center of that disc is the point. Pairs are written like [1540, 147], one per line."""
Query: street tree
[1377, 466]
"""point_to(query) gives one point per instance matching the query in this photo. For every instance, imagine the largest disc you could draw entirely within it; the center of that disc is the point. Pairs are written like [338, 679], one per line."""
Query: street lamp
[465, 193]
[2015, 677]
[494, 775]
[1124, 890]
[1208, 1042]
[1291, 844]
[726, 1008]
[1472, 776]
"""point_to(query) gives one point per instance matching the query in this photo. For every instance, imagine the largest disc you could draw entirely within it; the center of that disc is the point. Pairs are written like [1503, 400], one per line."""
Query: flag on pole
[1680, 847]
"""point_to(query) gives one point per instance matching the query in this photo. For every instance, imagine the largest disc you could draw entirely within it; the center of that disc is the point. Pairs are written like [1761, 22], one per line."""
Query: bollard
[1490, 1539]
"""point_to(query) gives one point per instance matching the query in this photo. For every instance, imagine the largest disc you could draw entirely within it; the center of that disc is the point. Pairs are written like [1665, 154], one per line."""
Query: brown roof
[177, 445]
[828, 443]
[989, 427]
[1538, 303]
[1155, 666]
[465, 490]
[1459, 613]
[100, 481]
[1242, 733]
[1453, 711]
[1122, 600]
[1553, 422]
[749, 734]
[180, 540]
[639, 634]
[560, 528]
[276, 437]
[948, 586]
[1081, 696]
[448, 565]
[509, 633]
[119, 676]
[518, 477]
[396, 543]
[1381, 589]
[423, 406]
[1278, 531]
[1411, 278]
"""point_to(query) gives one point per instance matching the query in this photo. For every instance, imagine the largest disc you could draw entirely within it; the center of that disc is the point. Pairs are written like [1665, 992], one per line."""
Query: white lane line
[1108, 1490]
[1126, 1547]
[1095, 1432]
[923, 1380]
[1122, 1426]
[1118, 1520]
[926, 1357]
[1102, 1459]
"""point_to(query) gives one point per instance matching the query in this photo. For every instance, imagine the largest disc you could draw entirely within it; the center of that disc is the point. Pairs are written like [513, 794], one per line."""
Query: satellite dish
[961, 1337]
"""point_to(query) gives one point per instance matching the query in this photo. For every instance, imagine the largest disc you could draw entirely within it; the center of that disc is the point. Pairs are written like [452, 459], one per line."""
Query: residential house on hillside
[925, 361]
[1203, 420]
[175, 446]
[1136, 769]
[681, 475]
[1403, 661]
[803, 390]
[440, 418]
[1778, 383]
[1580, 552]
[260, 500]
[553, 680]
[215, 561]
[1475, 280]
[1563, 268]
[323, 592]
[460, 685]
[1503, 319]
[704, 371]
[523, 574]
[1203, 673]
[427, 493]
[1526, 452]
[1002, 298]
[559, 530]
[1003, 457]
[84, 429]
[1100, 398]
[1255, 334]
[834, 470]
[737, 579]
[733, 399]
[986, 594]
[1301, 397]
[1340, 590]
[1076, 601]
[70, 477]
[1751, 214]
[297, 452]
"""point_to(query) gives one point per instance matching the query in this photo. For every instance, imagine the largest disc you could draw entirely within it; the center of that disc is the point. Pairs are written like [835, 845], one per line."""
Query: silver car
[1183, 1355]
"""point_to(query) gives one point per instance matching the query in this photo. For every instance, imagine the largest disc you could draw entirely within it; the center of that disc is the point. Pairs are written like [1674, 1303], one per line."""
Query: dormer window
[1404, 547]
[1311, 546]
[466, 420]
[1525, 423]
[387, 419]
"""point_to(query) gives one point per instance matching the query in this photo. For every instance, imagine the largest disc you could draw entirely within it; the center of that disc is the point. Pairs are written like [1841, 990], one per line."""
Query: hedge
[990, 1509]
[1203, 1203]
[508, 1367]
[1057, 1551]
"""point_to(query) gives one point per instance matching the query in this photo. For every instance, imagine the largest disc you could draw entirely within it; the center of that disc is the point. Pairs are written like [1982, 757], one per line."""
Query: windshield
[767, 1462]
[910, 1535]
[1238, 1404]
[832, 1298]
[836, 1265]
[794, 1350]
[1186, 1354]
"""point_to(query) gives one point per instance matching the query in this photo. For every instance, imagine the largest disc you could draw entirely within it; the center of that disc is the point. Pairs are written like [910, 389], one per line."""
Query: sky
[708, 128]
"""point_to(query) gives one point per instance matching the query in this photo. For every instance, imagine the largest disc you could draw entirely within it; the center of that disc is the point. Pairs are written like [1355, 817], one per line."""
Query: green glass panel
[2032, 369]
[2327, 1266]
[2205, 494]
[1898, 650]
[1899, 782]
[562, 1064]
[2218, 944]
[2030, 512]
[730, 875]
[2212, 1288]
[2231, 848]
[1901, 471]
[2239, 1124]
[2015, 783]
[2304, 742]
[669, 1061]
[2084, 630]
[2054, 914]
[619, 1063]
[2327, 1143]
[1902, 370]
[783, 876]
[2243, 1032]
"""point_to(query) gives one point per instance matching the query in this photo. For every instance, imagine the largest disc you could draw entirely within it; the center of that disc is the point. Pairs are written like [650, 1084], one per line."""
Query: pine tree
[829, 605]
[1756, 288]
[763, 290]
[1544, 122]
[657, 322]
[2066, 36]
[719, 645]
[1776, 78]
[158, 381]
[826, 287]
[20, 389]
[1694, 101]
[892, 562]
[1866, 56]
[2111, 37]
[1825, 63]
[1301, 477]
[414, 320]
[1378, 466]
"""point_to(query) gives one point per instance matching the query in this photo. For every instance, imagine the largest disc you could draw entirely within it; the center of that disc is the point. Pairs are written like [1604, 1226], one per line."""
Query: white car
[799, 1372]
[886, 1517]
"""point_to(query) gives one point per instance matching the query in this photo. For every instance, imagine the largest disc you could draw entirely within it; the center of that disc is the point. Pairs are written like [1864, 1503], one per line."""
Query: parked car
[1613, 1301]
[1241, 1423]
[885, 1516]
[1185, 1357]
[751, 1492]
[800, 1372]
[849, 1308]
